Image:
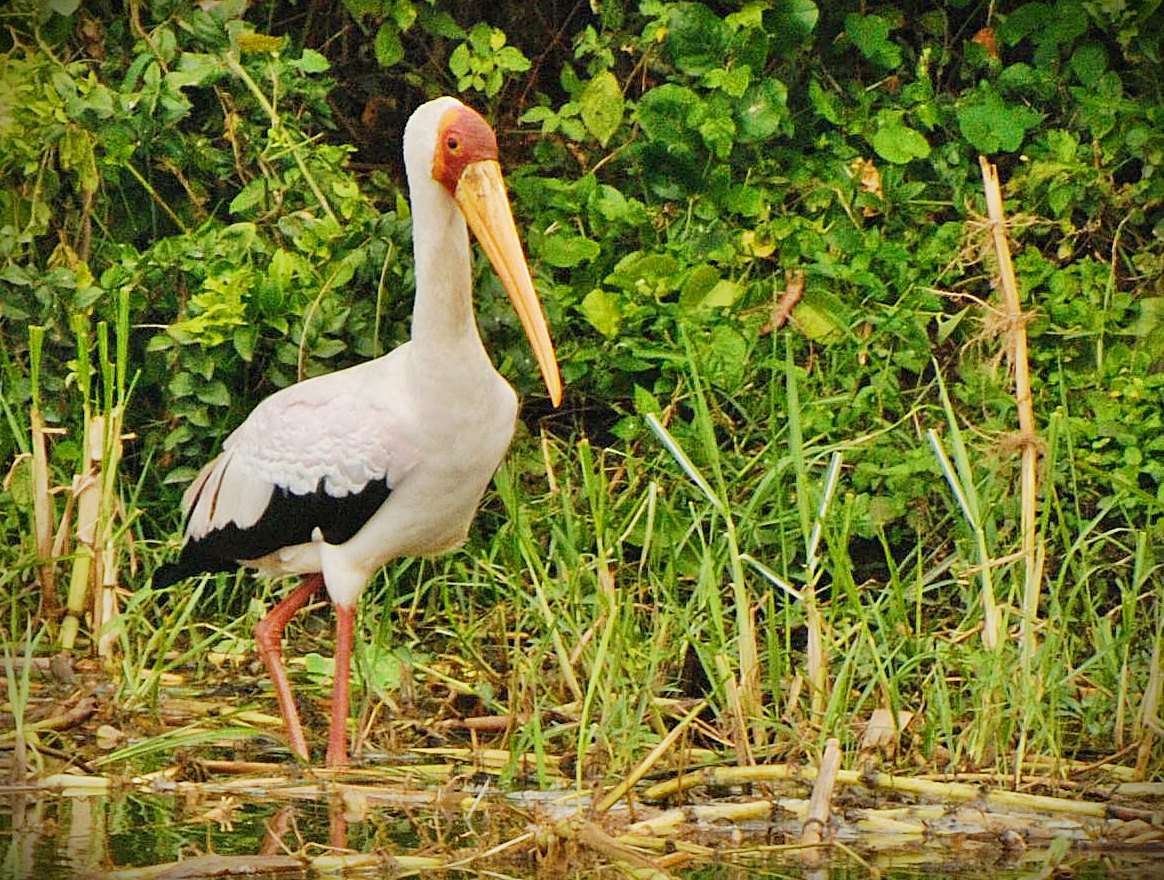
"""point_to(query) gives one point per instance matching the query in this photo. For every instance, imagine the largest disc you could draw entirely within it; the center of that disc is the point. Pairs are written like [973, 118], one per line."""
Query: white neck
[447, 364]
[443, 313]
[446, 345]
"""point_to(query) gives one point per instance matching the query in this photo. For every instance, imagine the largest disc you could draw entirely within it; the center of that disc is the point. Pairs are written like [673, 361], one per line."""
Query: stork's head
[452, 145]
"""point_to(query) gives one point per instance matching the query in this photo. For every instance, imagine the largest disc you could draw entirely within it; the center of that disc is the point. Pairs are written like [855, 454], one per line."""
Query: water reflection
[302, 826]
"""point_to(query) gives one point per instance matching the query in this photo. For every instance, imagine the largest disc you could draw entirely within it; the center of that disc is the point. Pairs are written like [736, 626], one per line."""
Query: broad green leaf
[341, 273]
[251, 196]
[824, 104]
[749, 201]
[645, 401]
[245, 340]
[284, 266]
[821, 316]
[64, 7]
[229, 10]
[896, 142]
[751, 15]
[565, 250]
[870, 34]
[719, 133]
[459, 60]
[1089, 62]
[1064, 146]
[159, 342]
[76, 151]
[644, 273]
[199, 68]
[723, 295]
[699, 281]
[704, 289]
[609, 204]
[440, 24]
[733, 81]
[697, 38]
[181, 385]
[602, 106]
[311, 62]
[1061, 199]
[16, 275]
[1151, 319]
[1023, 78]
[572, 128]
[389, 49]
[165, 44]
[664, 110]
[1023, 21]
[511, 58]
[318, 666]
[725, 355]
[86, 296]
[214, 394]
[602, 309]
[544, 116]
[481, 38]
[387, 669]
[254, 43]
[791, 22]
[346, 189]
[404, 13]
[750, 49]
[991, 125]
[761, 111]
[328, 348]
[569, 80]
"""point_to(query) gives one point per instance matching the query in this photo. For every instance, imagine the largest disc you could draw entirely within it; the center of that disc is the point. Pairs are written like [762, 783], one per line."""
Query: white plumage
[339, 474]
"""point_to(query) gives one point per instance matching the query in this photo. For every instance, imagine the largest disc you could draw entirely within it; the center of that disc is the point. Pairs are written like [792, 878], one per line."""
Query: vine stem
[279, 132]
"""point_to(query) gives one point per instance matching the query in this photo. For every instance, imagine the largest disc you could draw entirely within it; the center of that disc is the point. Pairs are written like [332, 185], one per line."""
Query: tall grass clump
[80, 535]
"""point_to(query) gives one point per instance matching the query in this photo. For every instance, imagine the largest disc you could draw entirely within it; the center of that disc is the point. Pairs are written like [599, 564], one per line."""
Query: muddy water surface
[270, 828]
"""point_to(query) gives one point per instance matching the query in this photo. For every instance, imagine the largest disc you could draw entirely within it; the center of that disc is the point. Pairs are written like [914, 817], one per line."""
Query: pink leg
[337, 734]
[269, 636]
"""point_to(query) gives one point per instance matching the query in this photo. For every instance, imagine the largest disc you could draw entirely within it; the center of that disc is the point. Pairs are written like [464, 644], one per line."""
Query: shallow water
[45, 836]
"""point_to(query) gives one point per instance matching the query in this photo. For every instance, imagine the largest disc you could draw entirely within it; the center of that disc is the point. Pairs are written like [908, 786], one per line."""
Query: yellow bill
[482, 199]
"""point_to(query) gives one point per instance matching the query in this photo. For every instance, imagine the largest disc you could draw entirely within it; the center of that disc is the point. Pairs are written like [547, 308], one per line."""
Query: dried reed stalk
[42, 506]
[820, 804]
[945, 792]
[1148, 722]
[1016, 341]
[87, 490]
[42, 517]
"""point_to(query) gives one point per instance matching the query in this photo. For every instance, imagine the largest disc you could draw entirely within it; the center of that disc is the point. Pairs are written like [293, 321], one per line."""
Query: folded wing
[314, 459]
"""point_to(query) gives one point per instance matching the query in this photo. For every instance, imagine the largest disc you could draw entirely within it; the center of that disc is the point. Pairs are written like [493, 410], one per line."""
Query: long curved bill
[482, 199]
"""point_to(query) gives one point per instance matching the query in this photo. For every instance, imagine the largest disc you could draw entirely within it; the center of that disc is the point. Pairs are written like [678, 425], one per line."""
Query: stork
[333, 477]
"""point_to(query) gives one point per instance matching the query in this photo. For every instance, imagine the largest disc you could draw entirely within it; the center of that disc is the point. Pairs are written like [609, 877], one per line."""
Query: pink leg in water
[269, 636]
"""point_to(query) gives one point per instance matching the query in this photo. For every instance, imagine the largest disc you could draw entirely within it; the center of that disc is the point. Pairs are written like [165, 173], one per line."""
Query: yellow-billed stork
[334, 476]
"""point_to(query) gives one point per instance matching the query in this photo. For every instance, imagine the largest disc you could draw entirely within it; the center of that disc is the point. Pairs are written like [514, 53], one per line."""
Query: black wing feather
[289, 519]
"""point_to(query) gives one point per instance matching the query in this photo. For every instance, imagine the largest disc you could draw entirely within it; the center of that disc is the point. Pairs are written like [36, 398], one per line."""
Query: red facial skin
[463, 137]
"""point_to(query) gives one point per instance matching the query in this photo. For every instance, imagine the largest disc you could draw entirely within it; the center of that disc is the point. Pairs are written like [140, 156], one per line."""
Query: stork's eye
[452, 143]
